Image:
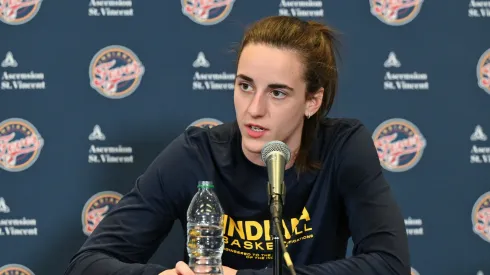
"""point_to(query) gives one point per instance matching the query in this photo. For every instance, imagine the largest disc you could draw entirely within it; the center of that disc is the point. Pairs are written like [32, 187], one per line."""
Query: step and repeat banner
[92, 91]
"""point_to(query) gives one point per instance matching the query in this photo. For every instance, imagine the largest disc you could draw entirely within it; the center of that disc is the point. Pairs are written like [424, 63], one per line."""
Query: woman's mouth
[255, 131]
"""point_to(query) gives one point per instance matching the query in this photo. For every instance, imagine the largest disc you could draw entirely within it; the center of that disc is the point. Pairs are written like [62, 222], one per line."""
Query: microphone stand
[276, 202]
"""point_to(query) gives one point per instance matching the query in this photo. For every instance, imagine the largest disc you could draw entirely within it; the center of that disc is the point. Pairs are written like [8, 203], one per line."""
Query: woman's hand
[182, 268]
[229, 271]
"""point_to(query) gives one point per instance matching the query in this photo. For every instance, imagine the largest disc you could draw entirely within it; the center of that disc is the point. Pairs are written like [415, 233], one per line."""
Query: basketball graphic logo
[115, 72]
[483, 71]
[394, 12]
[480, 217]
[399, 143]
[205, 123]
[18, 12]
[96, 208]
[207, 12]
[15, 269]
[20, 144]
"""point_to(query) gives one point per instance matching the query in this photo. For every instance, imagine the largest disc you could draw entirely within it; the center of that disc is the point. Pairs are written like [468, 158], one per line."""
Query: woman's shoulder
[339, 129]
[218, 134]
[200, 149]
[196, 141]
[336, 135]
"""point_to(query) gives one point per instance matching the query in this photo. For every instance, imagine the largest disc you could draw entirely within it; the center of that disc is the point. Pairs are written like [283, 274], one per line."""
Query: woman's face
[269, 97]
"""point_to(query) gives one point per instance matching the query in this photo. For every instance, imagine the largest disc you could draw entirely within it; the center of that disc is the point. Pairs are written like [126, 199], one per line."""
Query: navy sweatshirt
[348, 197]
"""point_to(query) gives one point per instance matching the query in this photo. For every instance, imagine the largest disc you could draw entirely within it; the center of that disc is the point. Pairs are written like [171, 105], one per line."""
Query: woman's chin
[253, 145]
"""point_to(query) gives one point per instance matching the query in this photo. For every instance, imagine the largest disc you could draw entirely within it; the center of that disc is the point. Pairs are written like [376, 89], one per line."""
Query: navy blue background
[61, 40]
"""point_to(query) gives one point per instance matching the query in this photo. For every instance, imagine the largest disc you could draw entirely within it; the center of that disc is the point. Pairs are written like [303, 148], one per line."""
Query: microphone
[276, 154]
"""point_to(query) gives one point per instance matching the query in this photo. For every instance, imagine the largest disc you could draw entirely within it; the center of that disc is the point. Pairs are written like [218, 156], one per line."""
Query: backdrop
[92, 91]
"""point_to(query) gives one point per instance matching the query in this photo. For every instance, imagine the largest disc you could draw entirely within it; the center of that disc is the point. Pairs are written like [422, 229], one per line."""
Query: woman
[285, 85]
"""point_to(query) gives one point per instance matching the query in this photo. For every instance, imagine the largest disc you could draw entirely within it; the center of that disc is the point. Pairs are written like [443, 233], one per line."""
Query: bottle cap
[204, 184]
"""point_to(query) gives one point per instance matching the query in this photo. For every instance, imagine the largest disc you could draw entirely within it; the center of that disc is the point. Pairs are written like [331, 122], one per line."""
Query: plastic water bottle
[205, 231]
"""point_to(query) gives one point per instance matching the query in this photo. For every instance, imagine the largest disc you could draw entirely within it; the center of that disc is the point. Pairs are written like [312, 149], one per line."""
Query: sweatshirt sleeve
[132, 231]
[375, 220]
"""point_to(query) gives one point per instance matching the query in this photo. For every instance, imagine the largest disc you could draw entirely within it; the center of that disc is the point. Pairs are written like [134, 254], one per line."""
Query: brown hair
[315, 44]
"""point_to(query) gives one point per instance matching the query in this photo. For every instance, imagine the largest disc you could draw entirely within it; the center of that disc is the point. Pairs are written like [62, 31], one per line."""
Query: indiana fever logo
[480, 217]
[20, 144]
[17, 12]
[207, 12]
[483, 71]
[395, 12]
[115, 72]
[15, 269]
[399, 143]
[207, 123]
[252, 239]
[96, 208]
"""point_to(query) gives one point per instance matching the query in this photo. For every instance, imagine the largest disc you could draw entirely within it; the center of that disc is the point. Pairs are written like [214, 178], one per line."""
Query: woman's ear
[314, 102]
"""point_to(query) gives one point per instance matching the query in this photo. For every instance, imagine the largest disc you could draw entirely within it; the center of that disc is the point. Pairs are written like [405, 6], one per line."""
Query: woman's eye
[278, 94]
[245, 87]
